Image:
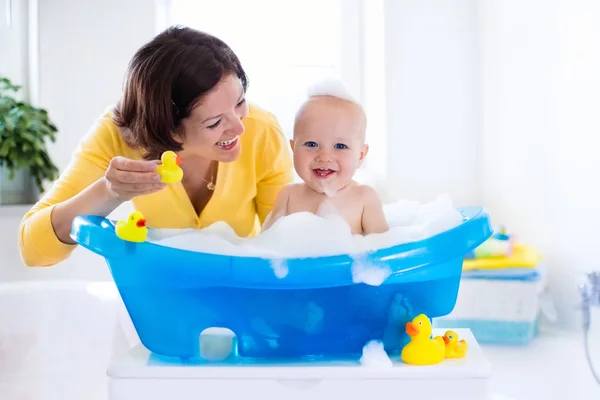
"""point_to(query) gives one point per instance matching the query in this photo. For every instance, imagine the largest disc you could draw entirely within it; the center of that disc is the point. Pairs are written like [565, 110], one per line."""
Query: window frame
[359, 67]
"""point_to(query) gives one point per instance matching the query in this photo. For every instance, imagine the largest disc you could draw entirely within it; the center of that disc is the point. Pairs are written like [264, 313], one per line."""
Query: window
[13, 42]
[285, 46]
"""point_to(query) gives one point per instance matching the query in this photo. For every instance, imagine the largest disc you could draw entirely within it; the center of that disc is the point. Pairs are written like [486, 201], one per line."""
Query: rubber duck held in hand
[169, 170]
[422, 348]
[454, 347]
[133, 229]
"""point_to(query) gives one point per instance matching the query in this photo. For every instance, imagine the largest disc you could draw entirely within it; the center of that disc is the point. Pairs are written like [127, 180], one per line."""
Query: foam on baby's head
[336, 90]
[331, 87]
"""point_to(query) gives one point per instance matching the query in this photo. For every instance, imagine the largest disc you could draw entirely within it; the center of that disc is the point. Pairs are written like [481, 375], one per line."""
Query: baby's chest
[351, 211]
[348, 208]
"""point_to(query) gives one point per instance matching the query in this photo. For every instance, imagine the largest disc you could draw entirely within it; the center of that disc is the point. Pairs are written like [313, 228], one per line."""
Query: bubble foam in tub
[285, 307]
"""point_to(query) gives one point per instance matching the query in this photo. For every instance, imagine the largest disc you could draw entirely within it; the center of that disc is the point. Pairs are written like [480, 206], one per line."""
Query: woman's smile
[228, 144]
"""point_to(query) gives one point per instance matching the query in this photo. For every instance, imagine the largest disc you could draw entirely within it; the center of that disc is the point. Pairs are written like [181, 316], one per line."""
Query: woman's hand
[126, 178]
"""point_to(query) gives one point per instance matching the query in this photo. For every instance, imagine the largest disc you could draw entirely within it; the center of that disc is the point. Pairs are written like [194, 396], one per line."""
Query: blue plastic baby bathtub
[173, 295]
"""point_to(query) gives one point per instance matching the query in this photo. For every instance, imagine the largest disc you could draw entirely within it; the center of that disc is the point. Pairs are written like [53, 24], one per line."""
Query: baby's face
[328, 143]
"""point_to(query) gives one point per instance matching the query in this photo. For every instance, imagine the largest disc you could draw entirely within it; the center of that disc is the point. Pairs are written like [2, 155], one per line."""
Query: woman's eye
[213, 126]
[341, 146]
[241, 102]
[310, 144]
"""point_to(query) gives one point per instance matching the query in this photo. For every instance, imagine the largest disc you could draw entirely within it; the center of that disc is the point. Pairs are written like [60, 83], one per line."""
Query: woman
[184, 92]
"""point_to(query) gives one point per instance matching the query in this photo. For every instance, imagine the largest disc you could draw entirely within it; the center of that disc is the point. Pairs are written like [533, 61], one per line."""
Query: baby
[329, 146]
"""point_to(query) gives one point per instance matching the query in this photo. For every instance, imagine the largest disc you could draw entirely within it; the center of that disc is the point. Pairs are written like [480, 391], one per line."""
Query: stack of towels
[502, 292]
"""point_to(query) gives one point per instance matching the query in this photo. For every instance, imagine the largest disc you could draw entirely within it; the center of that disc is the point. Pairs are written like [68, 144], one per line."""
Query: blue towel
[516, 274]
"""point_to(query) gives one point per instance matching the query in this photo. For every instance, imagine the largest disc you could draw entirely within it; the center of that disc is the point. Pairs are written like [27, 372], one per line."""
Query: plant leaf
[23, 132]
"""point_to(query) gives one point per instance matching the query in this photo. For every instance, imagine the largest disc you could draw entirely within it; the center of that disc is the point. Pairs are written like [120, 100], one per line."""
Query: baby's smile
[323, 173]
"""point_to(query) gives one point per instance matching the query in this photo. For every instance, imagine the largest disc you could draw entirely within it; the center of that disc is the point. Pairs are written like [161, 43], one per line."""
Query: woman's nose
[237, 127]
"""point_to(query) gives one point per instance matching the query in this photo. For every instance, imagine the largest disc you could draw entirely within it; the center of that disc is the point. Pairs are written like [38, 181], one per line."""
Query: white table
[141, 375]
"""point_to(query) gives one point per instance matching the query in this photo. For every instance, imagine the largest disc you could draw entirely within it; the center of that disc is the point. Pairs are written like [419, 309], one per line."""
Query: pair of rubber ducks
[134, 229]
[425, 350]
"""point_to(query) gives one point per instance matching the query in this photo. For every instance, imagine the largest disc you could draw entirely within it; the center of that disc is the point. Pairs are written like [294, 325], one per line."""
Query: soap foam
[280, 268]
[374, 355]
[328, 190]
[308, 235]
[364, 271]
[331, 86]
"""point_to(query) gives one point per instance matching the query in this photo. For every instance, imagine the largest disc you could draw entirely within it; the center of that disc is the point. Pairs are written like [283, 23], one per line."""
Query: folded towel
[508, 274]
[523, 256]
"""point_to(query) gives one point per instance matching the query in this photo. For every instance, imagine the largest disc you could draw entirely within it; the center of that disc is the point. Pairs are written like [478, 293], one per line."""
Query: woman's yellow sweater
[244, 194]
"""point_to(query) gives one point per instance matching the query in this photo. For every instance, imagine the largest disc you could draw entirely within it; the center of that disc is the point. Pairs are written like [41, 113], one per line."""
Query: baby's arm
[279, 208]
[373, 218]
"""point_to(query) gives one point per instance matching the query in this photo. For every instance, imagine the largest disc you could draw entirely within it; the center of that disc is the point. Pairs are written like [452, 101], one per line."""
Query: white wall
[13, 44]
[82, 61]
[432, 93]
[492, 102]
[540, 161]
[82, 264]
[83, 49]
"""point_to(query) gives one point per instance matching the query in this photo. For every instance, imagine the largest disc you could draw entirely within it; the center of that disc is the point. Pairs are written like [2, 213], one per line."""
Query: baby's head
[329, 137]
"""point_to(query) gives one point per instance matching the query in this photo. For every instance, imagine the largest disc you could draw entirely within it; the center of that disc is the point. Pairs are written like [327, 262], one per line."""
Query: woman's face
[214, 126]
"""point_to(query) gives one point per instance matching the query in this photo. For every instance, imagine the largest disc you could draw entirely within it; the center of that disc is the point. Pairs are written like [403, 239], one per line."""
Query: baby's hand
[373, 218]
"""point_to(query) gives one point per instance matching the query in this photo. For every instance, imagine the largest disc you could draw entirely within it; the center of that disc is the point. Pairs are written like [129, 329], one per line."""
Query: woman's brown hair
[166, 78]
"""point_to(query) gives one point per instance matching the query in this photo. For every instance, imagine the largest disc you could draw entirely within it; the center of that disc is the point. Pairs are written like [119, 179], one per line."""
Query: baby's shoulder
[365, 195]
[364, 191]
[299, 193]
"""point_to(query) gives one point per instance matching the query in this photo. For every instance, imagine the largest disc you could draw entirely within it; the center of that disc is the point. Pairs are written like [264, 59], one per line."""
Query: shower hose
[590, 293]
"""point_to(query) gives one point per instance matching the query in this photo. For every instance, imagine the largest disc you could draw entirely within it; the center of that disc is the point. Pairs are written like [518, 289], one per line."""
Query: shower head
[590, 296]
[590, 289]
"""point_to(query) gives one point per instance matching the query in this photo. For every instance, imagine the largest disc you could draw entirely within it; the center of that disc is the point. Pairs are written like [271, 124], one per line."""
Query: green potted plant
[24, 159]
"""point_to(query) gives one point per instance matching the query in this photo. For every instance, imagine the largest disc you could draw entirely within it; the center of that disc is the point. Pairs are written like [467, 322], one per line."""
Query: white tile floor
[56, 341]
[553, 366]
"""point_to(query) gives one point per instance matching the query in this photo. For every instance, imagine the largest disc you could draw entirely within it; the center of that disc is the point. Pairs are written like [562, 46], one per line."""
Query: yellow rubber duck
[454, 347]
[422, 348]
[133, 229]
[169, 170]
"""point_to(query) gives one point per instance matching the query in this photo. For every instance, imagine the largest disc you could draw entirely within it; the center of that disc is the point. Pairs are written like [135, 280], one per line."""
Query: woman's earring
[175, 107]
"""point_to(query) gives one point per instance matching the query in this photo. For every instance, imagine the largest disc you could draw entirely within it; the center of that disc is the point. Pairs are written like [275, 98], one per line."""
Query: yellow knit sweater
[244, 195]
